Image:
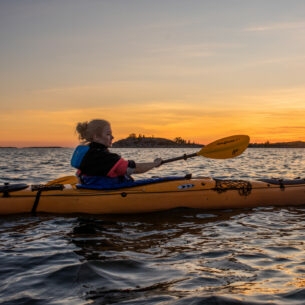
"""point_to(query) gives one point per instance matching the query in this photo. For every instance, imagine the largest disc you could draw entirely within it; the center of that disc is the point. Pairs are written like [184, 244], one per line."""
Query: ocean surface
[179, 257]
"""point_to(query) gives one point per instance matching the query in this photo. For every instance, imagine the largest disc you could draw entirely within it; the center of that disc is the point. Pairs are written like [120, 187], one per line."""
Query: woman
[97, 161]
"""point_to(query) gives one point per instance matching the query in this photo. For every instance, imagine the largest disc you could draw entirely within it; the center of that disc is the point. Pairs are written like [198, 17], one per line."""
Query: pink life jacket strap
[119, 169]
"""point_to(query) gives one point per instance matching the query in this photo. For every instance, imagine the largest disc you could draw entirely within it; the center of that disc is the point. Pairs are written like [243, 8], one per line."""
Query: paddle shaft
[184, 157]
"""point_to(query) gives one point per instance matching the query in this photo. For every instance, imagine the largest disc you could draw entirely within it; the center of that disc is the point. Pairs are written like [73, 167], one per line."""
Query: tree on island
[134, 136]
[177, 140]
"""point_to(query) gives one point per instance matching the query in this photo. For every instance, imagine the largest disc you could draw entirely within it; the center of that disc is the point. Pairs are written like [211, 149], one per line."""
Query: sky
[196, 69]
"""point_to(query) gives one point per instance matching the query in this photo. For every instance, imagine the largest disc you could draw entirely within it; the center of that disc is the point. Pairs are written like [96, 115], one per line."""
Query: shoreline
[165, 143]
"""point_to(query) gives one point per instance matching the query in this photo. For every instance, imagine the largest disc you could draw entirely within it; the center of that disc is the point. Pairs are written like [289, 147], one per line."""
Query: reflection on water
[250, 256]
[179, 257]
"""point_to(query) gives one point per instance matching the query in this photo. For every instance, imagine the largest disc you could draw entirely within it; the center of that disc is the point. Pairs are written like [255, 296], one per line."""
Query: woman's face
[105, 138]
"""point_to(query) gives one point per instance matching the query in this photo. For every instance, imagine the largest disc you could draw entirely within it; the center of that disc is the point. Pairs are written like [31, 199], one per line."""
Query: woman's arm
[144, 167]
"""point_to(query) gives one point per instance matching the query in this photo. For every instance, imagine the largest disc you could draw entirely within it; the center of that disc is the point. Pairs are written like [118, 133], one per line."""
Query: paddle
[224, 148]
[64, 180]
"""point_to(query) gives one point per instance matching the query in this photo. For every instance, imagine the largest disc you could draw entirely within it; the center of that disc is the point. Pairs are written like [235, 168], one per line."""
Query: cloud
[281, 26]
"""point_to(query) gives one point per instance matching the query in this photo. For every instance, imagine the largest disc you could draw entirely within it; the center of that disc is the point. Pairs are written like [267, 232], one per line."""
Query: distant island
[152, 142]
[15, 147]
[293, 144]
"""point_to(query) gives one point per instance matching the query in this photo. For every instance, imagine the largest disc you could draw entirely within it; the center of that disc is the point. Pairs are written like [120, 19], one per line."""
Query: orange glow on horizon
[200, 125]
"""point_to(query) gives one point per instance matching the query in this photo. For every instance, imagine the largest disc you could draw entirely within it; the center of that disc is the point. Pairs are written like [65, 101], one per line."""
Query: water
[249, 256]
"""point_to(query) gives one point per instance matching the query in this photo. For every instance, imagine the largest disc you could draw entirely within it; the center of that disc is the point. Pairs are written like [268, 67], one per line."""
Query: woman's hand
[158, 162]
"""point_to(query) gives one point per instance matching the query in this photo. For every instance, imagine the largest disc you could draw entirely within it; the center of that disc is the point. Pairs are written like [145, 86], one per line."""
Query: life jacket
[95, 182]
[78, 155]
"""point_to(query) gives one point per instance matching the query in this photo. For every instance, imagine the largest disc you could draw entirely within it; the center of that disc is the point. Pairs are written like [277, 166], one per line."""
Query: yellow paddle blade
[225, 148]
[63, 180]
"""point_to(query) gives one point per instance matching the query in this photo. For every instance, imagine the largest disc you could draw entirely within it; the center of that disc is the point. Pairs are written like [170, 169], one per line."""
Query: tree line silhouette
[177, 140]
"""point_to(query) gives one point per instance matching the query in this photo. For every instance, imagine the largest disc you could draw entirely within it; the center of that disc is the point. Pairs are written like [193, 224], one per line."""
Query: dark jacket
[98, 160]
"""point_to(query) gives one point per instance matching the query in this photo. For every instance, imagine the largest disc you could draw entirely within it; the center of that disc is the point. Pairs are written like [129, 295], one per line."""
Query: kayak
[111, 196]
[161, 194]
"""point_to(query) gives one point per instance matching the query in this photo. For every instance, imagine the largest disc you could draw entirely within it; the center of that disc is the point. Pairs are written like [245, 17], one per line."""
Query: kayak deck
[199, 193]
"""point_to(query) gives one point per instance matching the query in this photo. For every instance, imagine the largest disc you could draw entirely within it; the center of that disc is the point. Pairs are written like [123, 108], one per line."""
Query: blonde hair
[86, 130]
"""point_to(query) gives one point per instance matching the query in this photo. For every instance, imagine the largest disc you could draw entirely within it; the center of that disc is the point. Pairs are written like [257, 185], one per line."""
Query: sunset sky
[195, 69]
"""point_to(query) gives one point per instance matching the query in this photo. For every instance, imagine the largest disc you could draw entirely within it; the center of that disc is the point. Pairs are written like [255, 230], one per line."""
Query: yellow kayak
[198, 193]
